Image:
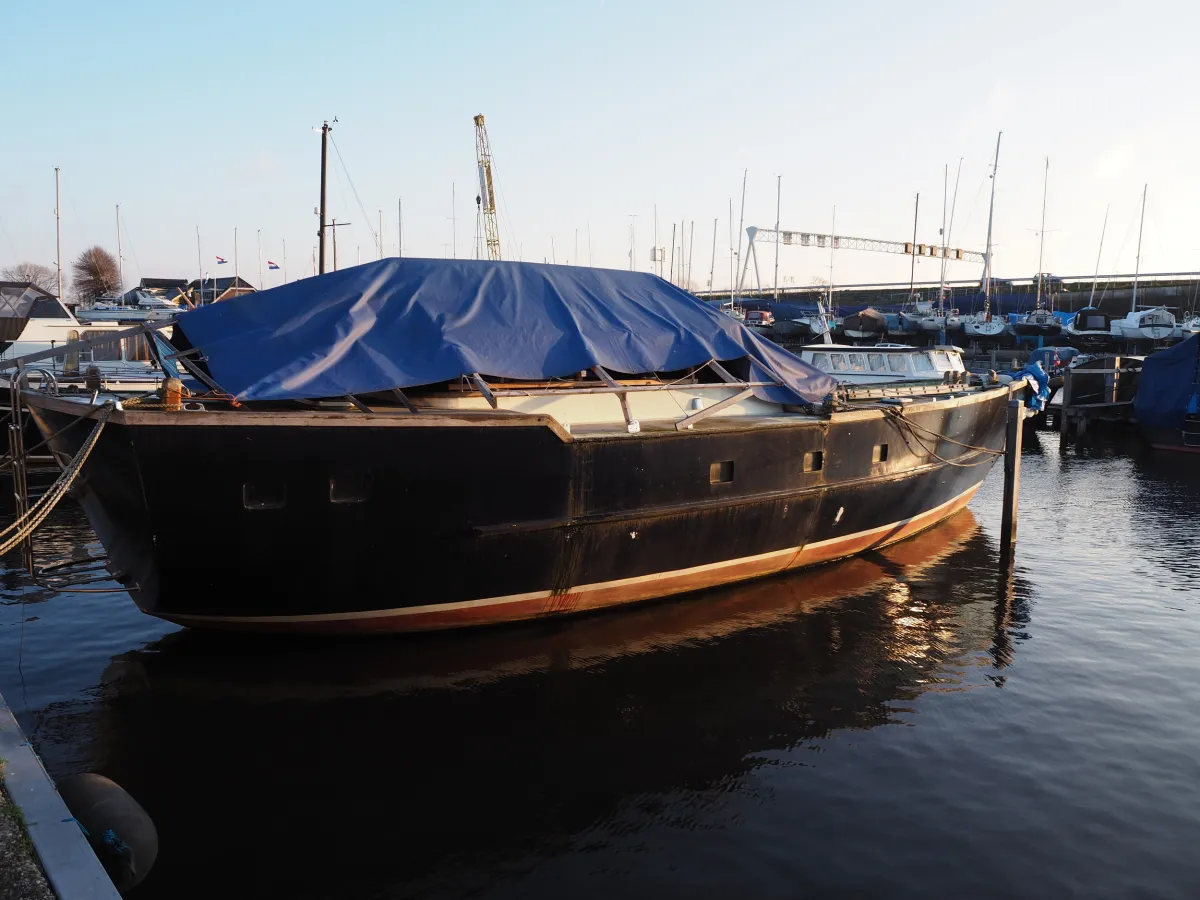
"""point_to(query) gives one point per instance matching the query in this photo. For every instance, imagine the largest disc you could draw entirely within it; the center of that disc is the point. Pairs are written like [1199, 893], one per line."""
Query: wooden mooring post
[1012, 475]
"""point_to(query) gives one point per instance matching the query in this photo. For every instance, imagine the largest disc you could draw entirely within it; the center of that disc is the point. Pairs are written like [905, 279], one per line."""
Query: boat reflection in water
[452, 763]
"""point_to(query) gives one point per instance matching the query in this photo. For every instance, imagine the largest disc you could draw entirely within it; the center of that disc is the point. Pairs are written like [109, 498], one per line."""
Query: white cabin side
[881, 364]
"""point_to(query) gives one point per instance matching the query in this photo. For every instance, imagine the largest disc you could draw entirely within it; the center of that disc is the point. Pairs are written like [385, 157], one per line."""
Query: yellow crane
[486, 201]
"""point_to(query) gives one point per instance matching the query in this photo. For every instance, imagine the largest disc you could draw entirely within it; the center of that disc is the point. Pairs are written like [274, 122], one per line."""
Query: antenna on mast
[487, 193]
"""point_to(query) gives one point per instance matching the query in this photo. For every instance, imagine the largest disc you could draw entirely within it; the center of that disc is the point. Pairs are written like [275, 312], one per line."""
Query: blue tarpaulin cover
[1167, 386]
[399, 323]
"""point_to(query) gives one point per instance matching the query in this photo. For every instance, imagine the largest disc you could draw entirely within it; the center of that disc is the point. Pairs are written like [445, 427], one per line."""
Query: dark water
[915, 723]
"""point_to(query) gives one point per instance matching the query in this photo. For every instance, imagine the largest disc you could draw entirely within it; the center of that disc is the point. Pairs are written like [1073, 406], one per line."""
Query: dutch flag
[221, 260]
[271, 265]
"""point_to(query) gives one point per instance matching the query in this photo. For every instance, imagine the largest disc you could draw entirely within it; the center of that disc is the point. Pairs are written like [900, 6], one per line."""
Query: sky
[206, 116]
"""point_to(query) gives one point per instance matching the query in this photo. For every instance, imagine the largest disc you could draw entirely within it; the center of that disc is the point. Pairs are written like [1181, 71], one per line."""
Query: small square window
[721, 472]
[348, 489]
[264, 495]
[814, 461]
[880, 453]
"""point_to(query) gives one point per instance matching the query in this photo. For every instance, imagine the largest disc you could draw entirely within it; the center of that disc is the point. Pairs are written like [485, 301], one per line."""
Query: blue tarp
[1167, 386]
[399, 323]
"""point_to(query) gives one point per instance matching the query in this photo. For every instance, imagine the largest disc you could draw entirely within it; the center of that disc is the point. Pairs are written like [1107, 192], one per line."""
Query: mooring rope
[898, 418]
[24, 526]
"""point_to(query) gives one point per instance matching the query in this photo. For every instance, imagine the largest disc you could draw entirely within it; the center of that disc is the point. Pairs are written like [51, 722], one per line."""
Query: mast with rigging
[1042, 234]
[1137, 266]
[987, 255]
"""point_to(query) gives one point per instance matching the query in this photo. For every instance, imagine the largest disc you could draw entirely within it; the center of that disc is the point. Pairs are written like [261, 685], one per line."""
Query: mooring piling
[1012, 474]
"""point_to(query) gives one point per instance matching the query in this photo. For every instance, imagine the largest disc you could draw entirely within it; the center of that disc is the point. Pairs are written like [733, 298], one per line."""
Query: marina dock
[42, 846]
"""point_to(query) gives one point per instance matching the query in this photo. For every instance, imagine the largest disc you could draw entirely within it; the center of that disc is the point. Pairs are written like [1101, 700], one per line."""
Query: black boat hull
[363, 522]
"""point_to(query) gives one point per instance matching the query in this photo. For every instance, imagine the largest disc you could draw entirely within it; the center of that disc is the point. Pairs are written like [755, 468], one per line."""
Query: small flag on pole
[221, 260]
[271, 265]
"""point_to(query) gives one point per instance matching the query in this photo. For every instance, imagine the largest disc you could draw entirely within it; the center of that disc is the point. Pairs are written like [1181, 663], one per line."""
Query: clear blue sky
[203, 114]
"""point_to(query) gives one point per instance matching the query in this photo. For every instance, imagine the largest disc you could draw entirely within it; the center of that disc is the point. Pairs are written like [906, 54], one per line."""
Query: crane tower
[487, 194]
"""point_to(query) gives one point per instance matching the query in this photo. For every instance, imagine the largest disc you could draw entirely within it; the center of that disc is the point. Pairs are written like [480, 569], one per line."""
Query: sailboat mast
[120, 255]
[912, 272]
[199, 270]
[1137, 266]
[1096, 276]
[778, 195]
[1042, 234]
[987, 257]
[741, 223]
[712, 268]
[58, 228]
[942, 233]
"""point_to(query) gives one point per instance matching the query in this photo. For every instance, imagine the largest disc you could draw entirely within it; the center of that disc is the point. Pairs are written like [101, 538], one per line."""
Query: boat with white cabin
[885, 363]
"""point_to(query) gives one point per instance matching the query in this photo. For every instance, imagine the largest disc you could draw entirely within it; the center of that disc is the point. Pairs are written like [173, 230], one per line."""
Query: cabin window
[897, 363]
[264, 495]
[348, 489]
[839, 362]
[102, 352]
[137, 348]
[814, 461]
[1096, 323]
[941, 361]
[821, 361]
[48, 308]
[857, 363]
[921, 362]
[876, 361]
[880, 453]
[721, 472]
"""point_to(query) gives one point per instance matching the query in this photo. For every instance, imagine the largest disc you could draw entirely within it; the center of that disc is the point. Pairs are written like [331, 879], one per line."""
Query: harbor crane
[842, 242]
[486, 201]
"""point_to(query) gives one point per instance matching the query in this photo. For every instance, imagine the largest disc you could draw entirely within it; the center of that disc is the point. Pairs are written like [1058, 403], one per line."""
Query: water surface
[917, 722]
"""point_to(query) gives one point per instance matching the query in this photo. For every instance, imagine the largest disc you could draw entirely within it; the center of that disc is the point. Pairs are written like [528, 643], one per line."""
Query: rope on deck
[24, 526]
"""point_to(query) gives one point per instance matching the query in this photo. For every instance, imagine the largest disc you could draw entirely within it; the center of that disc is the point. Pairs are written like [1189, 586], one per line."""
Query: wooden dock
[1099, 396]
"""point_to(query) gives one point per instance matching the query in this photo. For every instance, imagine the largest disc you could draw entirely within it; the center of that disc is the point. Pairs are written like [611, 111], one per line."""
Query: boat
[1042, 322]
[983, 326]
[919, 316]
[1090, 329]
[1167, 405]
[761, 320]
[886, 363]
[124, 366]
[534, 440]
[1039, 323]
[870, 324]
[1186, 328]
[147, 308]
[898, 327]
[1145, 325]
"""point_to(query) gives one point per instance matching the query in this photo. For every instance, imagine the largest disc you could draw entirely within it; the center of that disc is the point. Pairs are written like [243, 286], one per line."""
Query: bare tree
[44, 277]
[96, 275]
